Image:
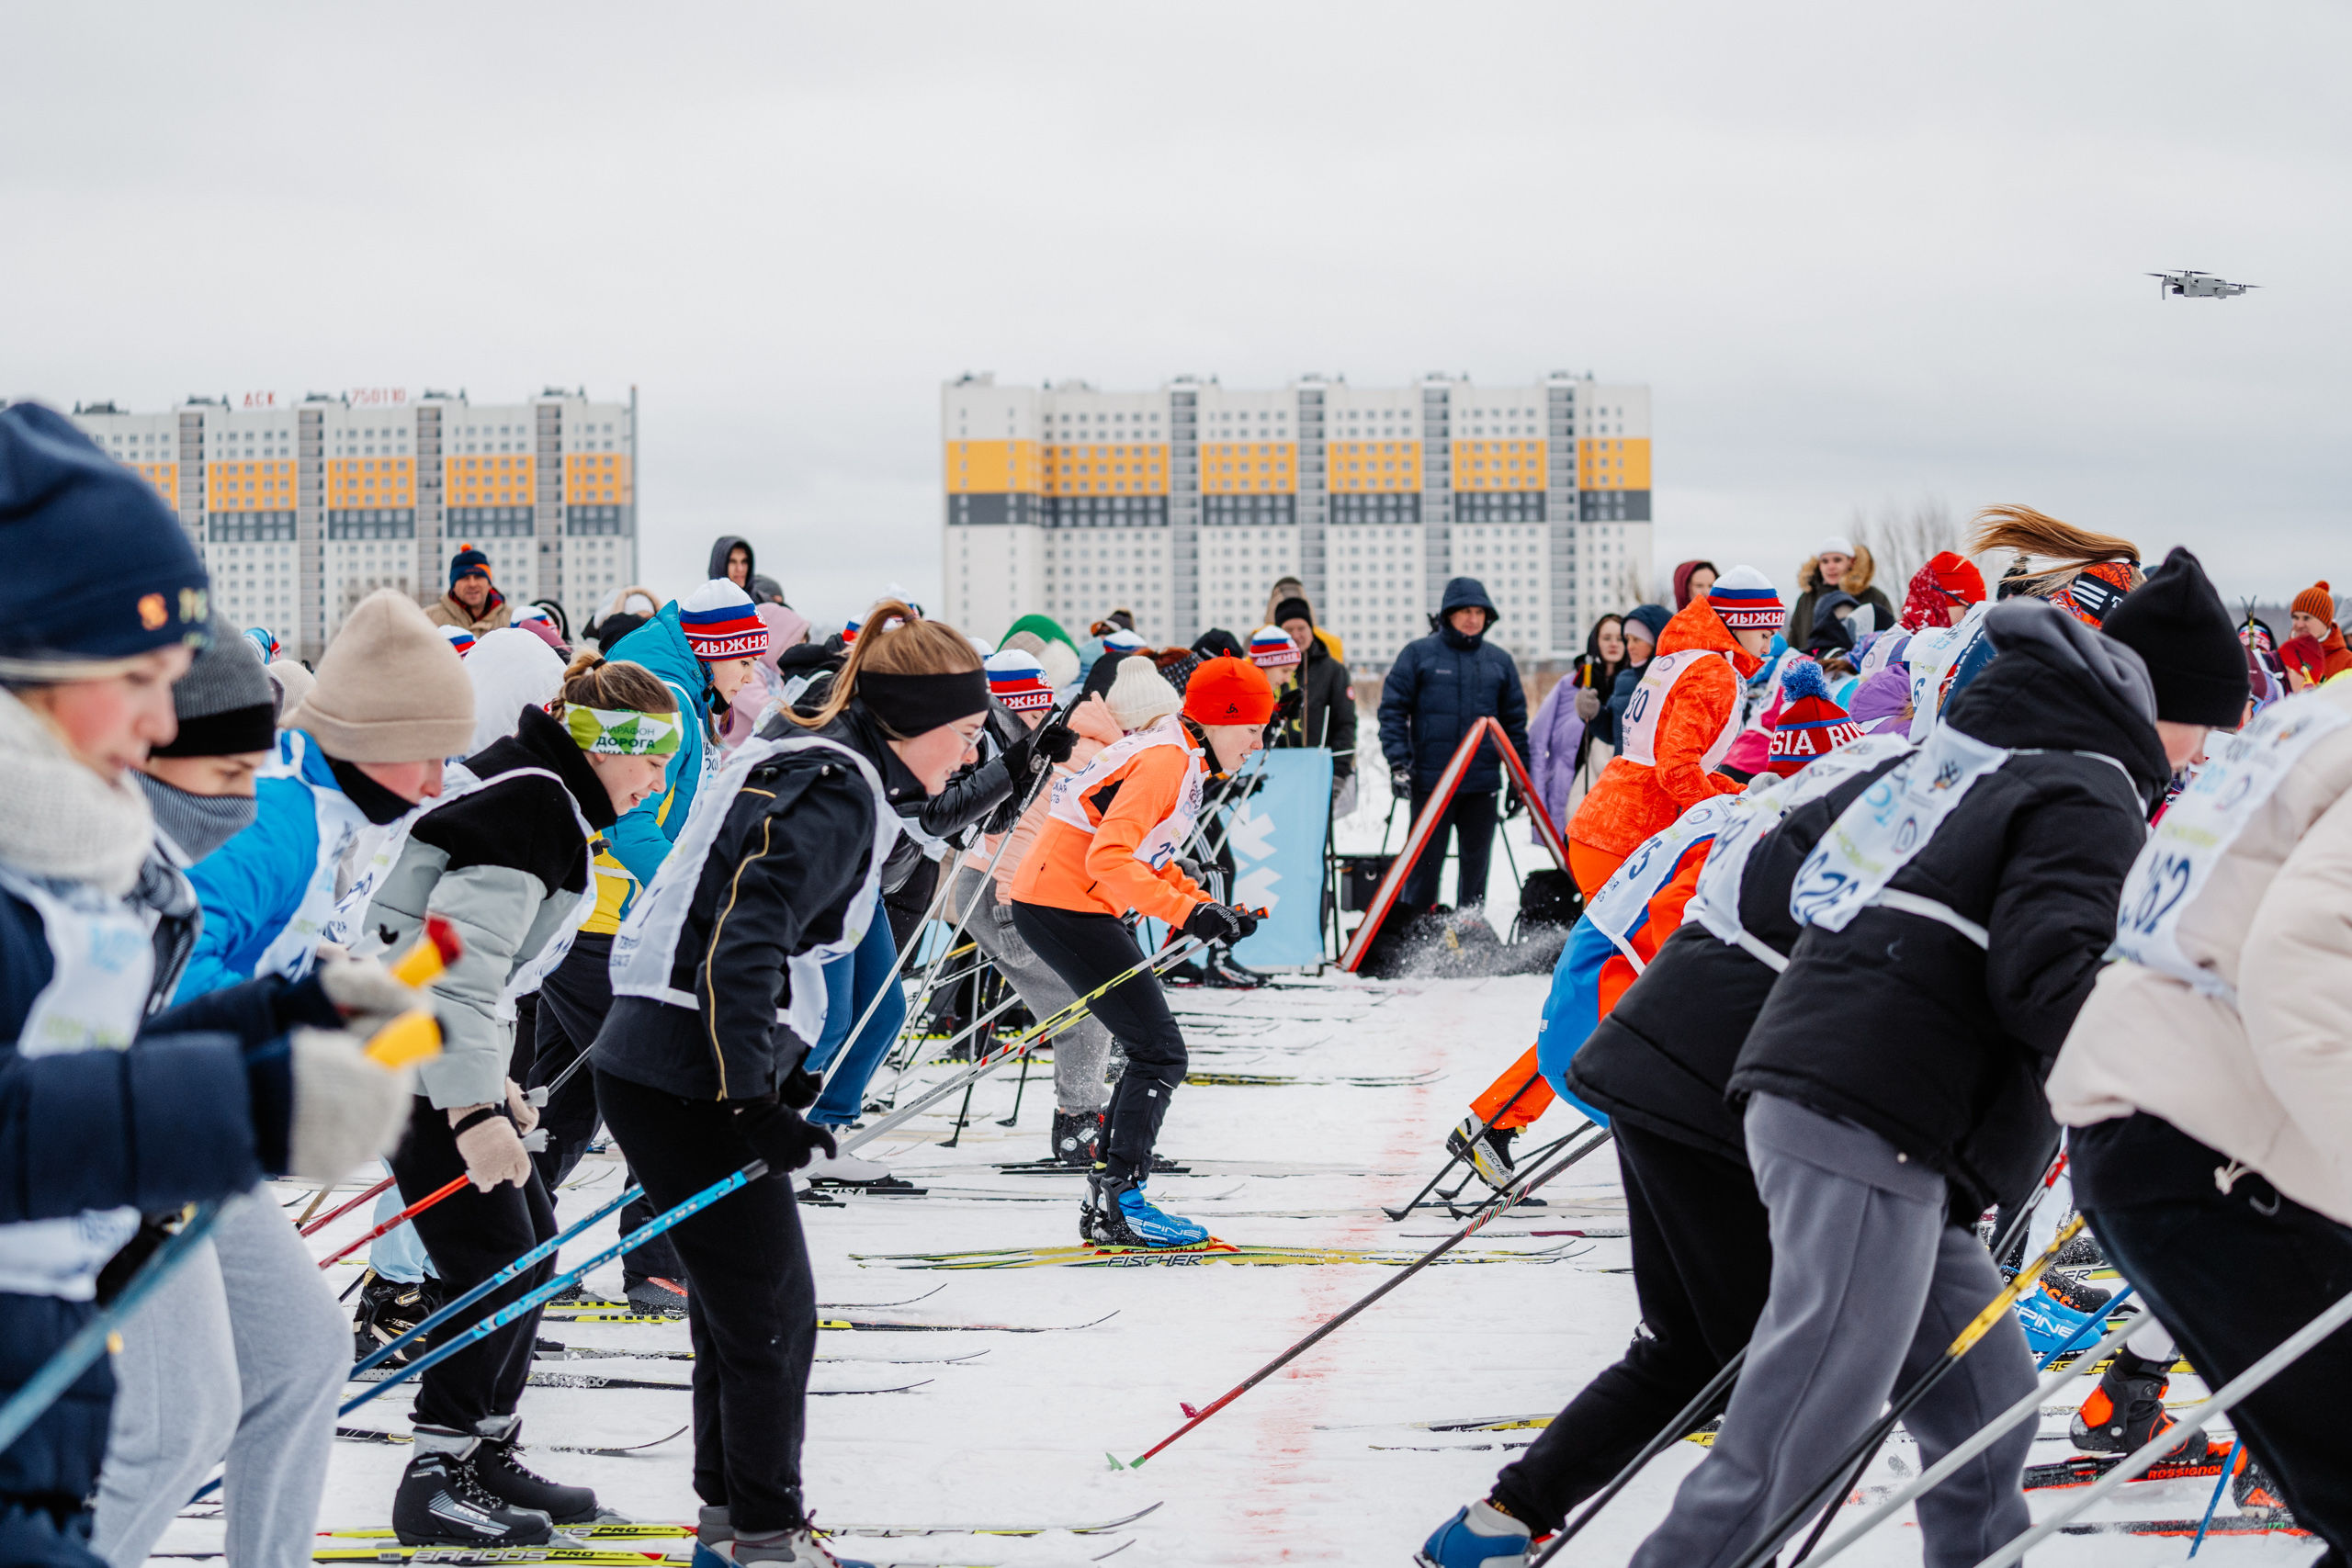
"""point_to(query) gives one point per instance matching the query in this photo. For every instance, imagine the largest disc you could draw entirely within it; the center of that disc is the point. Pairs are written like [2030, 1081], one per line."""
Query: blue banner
[1277, 836]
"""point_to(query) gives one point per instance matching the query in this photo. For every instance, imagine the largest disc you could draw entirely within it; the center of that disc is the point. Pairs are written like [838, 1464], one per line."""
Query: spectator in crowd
[1644, 625]
[1838, 567]
[1438, 687]
[472, 604]
[2312, 619]
[1691, 580]
[1327, 715]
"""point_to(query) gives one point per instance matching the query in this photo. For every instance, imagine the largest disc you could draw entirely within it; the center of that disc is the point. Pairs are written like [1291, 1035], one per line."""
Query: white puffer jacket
[2267, 1081]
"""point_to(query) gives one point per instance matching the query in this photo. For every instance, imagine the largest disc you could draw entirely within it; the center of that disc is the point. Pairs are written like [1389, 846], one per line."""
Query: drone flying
[2192, 284]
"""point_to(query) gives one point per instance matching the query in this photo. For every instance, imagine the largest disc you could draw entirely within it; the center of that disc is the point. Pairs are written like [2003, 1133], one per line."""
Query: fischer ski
[874, 1359]
[626, 1530]
[1095, 1255]
[402, 1439]
[596, 1380]
[1299, 1081]
[861, 1325]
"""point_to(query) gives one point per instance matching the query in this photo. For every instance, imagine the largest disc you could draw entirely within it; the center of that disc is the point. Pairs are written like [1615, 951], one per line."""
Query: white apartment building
[302, 507]
[1187, 504]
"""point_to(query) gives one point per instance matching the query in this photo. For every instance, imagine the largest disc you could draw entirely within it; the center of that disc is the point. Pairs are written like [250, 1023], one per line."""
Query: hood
[511, 668]
[1461, 593]
[787, 629]
[64, 822]
[719, 552]
[660, 646]
[1045, 628]
[1683, 581]
[1828, 632]
[1700, 627]
[2055, 682]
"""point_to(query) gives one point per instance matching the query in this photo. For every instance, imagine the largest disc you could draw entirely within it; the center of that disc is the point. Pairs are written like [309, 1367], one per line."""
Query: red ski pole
[398, 1220]
[314, 1227]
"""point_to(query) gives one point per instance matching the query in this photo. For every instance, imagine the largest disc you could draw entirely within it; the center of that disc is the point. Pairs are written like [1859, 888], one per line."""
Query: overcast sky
[1864, 255]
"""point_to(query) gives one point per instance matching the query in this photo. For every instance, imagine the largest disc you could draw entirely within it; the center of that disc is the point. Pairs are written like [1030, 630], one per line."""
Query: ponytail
[2060, 549]
[593, 680]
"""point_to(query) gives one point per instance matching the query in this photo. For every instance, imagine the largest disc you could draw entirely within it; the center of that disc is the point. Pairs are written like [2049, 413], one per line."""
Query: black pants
[1086, 950]
[1471, 820]
[751, 1300]
[1702, 1266]
[471, 1236]
[573, 1001]
[2232, 1276]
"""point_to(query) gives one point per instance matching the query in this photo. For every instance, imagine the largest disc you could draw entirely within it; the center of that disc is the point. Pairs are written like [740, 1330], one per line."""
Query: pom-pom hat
[720, 623]
[2317, 600]
[1018, 681]
[460, 638]
[1272, 648]
[1121, 641]
[1228, 691]
[1811, 725]
[1747, 600]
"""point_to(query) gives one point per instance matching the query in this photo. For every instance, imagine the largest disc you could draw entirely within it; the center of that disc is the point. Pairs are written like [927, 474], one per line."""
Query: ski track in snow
[1021, 1434]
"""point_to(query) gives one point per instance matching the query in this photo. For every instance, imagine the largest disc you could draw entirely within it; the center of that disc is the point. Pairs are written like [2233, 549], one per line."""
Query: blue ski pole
[71, 1360]
[532, 1301]
[2214, 1502]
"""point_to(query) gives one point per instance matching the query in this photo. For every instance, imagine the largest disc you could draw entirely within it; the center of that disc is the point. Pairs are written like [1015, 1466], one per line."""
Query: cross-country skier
[504, 857]
[106, 1112]
[718, 987]
[1960, 907]
[1107, 849]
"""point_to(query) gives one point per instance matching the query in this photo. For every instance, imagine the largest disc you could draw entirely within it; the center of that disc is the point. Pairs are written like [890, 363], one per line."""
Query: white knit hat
[1061, 661]
[390, 689]
[1834, 546]
[1140, 696]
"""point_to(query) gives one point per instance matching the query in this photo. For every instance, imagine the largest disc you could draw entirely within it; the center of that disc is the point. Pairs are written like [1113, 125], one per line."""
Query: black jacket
[1661, 1060]
[972, 793]
[1900, 1023]
[724, 547]
[1326, 713]
[777, 881]
[1440, 686]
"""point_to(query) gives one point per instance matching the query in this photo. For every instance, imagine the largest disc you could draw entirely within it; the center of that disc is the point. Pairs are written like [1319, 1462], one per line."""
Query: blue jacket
[641, 840]
[1440, 686]
[252, 885]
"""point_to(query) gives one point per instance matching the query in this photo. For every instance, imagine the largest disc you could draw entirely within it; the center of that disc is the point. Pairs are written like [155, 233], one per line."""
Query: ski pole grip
[536, 1141]
[411, 1038]
[434, 950]
[537, 1096]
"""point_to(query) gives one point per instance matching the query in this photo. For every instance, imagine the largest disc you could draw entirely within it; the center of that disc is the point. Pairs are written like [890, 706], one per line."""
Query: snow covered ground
[1319, 1463]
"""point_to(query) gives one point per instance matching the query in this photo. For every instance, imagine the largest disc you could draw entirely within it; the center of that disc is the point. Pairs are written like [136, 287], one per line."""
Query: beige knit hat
[1140, 695]
[389, 688]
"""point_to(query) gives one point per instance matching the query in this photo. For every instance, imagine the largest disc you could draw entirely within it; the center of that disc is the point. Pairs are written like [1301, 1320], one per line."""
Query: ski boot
[655, 1295]
[1488, 1155]
[1480, 1536]
[1126, 1218]
[2076, 1293]
[715, 1545]
[2049, 1321]
[2256, 1494]
[2126, 1410]
[1077, 1138]
[388, 1309]
[441, 1501]
[1220, 970]
[502, 1474]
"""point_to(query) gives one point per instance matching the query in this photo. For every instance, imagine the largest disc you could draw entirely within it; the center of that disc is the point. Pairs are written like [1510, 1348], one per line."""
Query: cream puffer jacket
[2267, 1082]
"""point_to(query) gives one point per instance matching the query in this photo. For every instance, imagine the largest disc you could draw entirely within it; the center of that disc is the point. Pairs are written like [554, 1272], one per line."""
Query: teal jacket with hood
[641, 840]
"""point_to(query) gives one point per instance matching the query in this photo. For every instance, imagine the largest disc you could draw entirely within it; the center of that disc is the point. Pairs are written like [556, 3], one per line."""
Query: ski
[597, 1304]
[626, 1530]
[400, 1439]
[1300, 1081]
[597, 1379]
[468, 1556]
[2226, 1524]
[1095, 1255]
[859, 1325]
[2083, 1468]
[879, 1358]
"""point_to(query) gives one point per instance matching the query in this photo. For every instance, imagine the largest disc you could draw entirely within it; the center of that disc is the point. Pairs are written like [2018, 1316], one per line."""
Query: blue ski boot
[1480, 1536]
[716, 1547]
[1129, 1219]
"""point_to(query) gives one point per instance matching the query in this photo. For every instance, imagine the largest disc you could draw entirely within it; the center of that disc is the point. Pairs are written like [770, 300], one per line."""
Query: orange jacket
[1098, 872]
[1631, 800]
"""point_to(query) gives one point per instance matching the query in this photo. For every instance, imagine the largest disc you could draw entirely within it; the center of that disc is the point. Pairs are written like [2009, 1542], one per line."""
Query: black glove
[1400, 779]
[1055, 740]
[800, 1088]
[1513, 802]
[1247, 921]
[1293, 699]
[1215, 922]
[778, 1136]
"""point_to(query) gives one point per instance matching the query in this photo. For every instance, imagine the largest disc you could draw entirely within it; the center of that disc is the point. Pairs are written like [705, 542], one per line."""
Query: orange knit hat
[1228, 691]
[2315, 601]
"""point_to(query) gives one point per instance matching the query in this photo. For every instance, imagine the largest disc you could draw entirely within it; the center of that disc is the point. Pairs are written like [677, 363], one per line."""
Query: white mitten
[491, 1149]
[348, 1110]
[367, 992]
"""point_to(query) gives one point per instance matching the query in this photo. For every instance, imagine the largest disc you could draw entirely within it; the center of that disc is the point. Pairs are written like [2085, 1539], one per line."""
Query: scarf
[65, 821]
[197, 824]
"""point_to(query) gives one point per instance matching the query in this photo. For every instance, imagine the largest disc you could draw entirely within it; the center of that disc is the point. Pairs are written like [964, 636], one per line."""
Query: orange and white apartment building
[1184, 504]
[303, 506]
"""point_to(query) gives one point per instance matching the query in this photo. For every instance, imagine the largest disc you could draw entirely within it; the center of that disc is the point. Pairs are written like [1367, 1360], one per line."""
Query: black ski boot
[389, 1309]
[501, 1471]
[441, 1502]
[656, 1296]
[1077, 1138]
[1220, 969]
[2126, 1410]
[1090, 1208]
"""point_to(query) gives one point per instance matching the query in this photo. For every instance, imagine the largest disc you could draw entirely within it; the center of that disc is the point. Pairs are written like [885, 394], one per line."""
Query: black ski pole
[1498, 1204]
[1454, 1159]
[1018, 1089]
[964, 1115]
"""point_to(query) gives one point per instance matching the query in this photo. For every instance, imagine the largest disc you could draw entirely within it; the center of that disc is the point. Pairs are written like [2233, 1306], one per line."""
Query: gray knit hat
[226, 704]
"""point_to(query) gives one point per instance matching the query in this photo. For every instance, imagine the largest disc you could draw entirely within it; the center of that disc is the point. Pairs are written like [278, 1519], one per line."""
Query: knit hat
[264, 642]
[1811, 725]
[1018, 681]
[468, 562]
[1271, 648]
[1294, 609]
[720, 623]
[2096, 591]
[388, 689]
[849, 631]
[1946, 582]
[1061, 661]
[460, 638]
[2176, 622]
[293, 680]
[1650, 618]
[1836, 544]
[1044, 627]
[99, 570]
[1228, 691]
[1747, 600]
[1139, 697]
[1218, 643]
[225, 703]
[1121, 642]
[2317, 600]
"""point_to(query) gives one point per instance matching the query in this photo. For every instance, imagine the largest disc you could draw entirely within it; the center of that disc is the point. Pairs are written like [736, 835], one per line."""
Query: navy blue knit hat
[466, 562]
[99, 569]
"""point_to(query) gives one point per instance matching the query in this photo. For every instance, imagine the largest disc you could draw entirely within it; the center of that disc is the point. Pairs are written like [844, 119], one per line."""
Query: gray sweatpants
[1870, 1286]
[242, 1354]
[1079, 1051]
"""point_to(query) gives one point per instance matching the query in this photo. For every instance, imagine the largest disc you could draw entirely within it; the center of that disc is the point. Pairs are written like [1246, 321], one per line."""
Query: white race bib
[1619, 908]
[1163, 842]
[1886, 825]
[1647, 706]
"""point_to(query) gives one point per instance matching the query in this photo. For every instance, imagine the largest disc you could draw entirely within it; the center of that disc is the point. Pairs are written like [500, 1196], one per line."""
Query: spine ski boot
[1488, 1155]
[1480, 1536]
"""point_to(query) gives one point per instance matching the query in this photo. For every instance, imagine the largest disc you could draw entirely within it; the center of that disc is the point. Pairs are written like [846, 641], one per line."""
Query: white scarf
[64, 821]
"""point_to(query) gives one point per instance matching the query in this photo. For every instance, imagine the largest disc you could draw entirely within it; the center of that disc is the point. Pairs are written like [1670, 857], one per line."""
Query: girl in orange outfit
[1108, 848]
[1679, 725]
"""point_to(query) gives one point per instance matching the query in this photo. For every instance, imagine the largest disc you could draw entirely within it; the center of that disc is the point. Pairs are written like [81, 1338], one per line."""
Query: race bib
[1886, 825]
[1647, 708]
[1768, 800]
[1617, 910]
